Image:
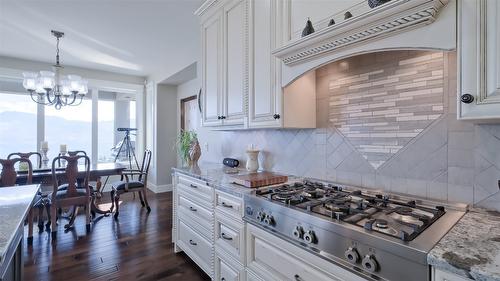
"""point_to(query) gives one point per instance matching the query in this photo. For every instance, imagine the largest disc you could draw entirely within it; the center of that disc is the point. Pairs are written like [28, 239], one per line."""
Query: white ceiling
[154, 38]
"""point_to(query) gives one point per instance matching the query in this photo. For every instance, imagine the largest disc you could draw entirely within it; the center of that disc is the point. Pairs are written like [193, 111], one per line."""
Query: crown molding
[205, 6]
[386, 20]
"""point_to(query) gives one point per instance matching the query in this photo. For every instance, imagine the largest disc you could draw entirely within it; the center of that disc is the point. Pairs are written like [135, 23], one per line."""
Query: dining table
[43, 177]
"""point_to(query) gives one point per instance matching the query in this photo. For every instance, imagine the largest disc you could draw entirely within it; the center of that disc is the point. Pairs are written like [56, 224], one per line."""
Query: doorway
[190, 115]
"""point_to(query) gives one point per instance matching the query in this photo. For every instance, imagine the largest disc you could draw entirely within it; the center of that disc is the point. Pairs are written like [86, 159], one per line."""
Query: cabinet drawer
[196, 188]
[229, 204]
[195, 212]
[277, 259]
[196, 247]
[229, 235]
[227, 269]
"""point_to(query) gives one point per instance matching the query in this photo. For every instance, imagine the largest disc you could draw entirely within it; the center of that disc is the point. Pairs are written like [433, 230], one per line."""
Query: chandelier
[51, 88]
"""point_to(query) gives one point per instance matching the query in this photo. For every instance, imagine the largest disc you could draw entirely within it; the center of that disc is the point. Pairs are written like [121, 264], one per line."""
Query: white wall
[86, 73]
[209, 140]
[161, 119]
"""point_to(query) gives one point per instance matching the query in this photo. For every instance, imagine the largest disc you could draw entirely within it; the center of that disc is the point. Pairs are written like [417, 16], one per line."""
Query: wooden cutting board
[259, 179]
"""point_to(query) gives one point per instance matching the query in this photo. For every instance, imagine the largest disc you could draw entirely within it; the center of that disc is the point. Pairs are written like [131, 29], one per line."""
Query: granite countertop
[219, 176]
[472, 247]
[15, 203]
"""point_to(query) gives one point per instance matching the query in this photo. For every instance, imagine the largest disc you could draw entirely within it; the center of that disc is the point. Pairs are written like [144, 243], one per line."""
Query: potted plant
[189, 147]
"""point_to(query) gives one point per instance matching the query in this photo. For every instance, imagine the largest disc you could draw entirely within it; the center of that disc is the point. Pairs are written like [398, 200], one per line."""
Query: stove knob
[310, 237]
[370, 264]
[298, 232]
[269, 220]
[352, 255]
[261, 216]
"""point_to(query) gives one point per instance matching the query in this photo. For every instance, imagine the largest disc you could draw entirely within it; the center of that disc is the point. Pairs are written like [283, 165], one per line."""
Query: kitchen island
[15, 203]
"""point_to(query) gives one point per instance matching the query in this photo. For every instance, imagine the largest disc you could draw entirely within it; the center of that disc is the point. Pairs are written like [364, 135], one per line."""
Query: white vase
[252, 160]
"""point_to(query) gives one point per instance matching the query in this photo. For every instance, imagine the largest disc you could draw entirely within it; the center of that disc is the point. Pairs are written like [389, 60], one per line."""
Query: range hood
[397, 24]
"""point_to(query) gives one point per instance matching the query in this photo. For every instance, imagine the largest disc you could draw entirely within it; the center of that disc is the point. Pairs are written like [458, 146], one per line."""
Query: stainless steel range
[377, 236]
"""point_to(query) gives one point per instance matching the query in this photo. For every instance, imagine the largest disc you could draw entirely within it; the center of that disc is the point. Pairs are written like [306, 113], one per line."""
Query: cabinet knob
[223, 117]
[467, 98]
[276, 116]
[219, 117]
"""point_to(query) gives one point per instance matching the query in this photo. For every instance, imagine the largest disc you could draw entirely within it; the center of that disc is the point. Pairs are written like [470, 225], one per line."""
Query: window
[132, 116]
[24, 124]
[106, 130]
[114, 111]
[18, 124]
[70, 125]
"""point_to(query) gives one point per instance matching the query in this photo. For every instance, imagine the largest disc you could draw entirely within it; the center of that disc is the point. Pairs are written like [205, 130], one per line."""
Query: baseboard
[159, 188]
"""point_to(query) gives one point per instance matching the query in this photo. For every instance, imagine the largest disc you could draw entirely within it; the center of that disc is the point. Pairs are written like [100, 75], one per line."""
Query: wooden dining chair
[27, 155]
[72, 195]
[128, 184]
[42, 201]
[8, 177]
[92, 185]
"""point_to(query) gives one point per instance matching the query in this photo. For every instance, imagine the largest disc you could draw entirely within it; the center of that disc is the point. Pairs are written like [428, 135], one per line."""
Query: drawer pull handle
[193, 243]
[223, 279]
[193, 209]
[226, 205]
[223, 235]
[297, 277]
[193, 186]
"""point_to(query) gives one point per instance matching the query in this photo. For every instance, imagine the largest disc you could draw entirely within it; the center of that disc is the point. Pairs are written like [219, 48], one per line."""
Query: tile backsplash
[387, 121]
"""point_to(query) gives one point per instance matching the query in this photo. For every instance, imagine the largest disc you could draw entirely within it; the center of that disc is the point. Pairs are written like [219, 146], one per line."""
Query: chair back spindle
[72, 153]
[146, 161]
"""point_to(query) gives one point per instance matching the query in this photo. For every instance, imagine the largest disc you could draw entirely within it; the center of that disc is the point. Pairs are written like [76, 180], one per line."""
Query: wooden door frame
[183, 101]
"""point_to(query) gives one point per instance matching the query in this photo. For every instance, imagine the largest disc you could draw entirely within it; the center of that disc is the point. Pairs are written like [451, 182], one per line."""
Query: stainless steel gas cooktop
[378, 236]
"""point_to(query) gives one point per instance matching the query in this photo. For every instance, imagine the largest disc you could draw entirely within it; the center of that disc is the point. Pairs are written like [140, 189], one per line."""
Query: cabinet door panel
[212, 97]
[265, 91]
[479, 58]
[235, 20]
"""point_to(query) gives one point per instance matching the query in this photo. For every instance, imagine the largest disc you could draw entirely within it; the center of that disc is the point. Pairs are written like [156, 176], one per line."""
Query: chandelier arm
[51, 101]
[79, 102]
[73, 101]
[35, 100]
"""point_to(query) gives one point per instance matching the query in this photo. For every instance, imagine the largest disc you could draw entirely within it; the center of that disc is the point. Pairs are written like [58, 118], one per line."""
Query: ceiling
[154, 38]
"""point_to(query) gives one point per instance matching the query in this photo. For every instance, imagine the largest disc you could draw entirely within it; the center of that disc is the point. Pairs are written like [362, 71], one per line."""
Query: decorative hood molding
[392, 18]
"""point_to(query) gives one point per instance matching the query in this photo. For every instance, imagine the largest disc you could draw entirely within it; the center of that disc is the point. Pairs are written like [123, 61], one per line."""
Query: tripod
[129, 149]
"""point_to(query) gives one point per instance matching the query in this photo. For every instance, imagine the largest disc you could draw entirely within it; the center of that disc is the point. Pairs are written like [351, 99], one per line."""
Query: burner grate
[377, 213]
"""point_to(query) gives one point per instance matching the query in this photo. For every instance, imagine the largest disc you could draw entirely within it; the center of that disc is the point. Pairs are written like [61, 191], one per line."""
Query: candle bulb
[63, 148]
[44, 145]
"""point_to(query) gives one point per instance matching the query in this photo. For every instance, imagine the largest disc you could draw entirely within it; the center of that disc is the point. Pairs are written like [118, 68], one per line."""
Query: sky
[82, 112]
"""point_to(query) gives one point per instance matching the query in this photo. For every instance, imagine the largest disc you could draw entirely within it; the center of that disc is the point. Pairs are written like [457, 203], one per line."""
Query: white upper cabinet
[265, 90]
[479, 60]
[211, 70]
[235, 67]
[241, 78]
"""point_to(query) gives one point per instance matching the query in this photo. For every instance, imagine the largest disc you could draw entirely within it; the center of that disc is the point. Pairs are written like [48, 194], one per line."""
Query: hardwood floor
[137, 247]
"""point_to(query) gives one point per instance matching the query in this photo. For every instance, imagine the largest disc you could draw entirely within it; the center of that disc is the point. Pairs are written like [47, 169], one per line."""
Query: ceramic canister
[252, 160]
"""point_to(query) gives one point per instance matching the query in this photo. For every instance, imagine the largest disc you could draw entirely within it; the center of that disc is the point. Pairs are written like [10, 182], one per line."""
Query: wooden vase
[194, 153]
